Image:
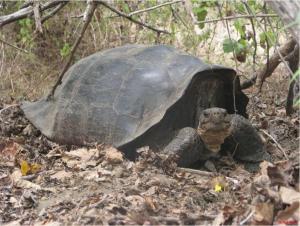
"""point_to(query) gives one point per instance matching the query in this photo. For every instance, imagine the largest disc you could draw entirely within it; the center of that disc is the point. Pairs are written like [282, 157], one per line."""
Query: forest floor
[43, 183]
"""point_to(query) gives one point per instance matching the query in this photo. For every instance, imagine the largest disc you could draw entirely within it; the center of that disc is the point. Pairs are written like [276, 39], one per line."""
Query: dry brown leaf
[277, 176]
[80, 158]
[16, 177]
[289, 195]
[263, 214]
[219, 220]
[150, 204]
[61, 175]
[289, 216]
[113, 156]
[8, 151]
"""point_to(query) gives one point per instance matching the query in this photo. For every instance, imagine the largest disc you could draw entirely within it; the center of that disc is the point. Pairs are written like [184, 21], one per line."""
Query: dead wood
[28, 11]
[274, 61]
[268, 69]
[37, 17]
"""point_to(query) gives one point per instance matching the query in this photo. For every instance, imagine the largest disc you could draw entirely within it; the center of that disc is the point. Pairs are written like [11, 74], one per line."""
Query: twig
[9, 106]
[260, 80]
[267, 41]
[277, 144]
[54, 11]
[131, 19]
[247, 218]
[154, 7]
[234, 56]
[89, 12]
[236, 17]
[11, 45]
[254, 35]
[199, 172]
[205, 173]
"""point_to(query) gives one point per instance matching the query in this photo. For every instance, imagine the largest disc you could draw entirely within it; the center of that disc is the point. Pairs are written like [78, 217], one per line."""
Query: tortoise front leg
[245, 143]
[189, 146]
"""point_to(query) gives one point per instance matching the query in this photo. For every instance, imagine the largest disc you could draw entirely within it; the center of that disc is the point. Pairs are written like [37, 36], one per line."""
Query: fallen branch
[89, 12]
[131, 19]
[276, 143]
[236, 17]
[28, 11]
[11, 45]
[37, 17]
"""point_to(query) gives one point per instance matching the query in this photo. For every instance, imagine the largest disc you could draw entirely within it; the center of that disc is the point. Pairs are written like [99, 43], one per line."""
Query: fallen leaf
[277, 176]
[80, 158]
[113, 156]
[289, 195]
[16, 177]
[289, 216]
[61, 175]
[25, 168]
[263, 214]
[150, 205]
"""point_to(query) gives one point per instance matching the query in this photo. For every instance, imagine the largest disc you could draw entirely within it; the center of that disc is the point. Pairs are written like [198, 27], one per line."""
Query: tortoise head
[214, 127]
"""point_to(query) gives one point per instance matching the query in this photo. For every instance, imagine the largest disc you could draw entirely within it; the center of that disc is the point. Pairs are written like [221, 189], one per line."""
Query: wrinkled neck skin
[214, 127]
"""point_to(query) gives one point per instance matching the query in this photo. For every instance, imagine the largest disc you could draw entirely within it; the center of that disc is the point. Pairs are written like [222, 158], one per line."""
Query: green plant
[25, 31]
[65, 50]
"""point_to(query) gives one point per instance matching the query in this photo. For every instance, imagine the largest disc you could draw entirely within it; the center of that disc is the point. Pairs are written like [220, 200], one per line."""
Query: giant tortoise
[138, 95]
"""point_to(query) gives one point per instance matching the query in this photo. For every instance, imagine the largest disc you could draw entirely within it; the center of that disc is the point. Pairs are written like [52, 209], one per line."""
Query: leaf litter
[42, 183]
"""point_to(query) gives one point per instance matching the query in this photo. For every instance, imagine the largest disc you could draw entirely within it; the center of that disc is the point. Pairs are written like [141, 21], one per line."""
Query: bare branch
[28, 11]
[11, 45]
[131, 19]
[154, 7]
[254, 35]
[276, 143]
[236, 17]
[89, 12]
[37, 17]
[54, 11]
[274, 61]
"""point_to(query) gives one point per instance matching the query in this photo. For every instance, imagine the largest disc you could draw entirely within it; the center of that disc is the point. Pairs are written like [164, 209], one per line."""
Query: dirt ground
[43, 183]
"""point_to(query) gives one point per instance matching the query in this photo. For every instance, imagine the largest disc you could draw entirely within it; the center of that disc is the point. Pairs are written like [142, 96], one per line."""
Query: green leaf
[229, 45]
[267, 36]
[240, 27]
[65, 51]
[237, 46]
[201, 15]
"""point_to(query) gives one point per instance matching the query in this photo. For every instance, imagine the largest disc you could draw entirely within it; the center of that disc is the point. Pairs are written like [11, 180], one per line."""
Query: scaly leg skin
[245, 144]
[189, 146]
